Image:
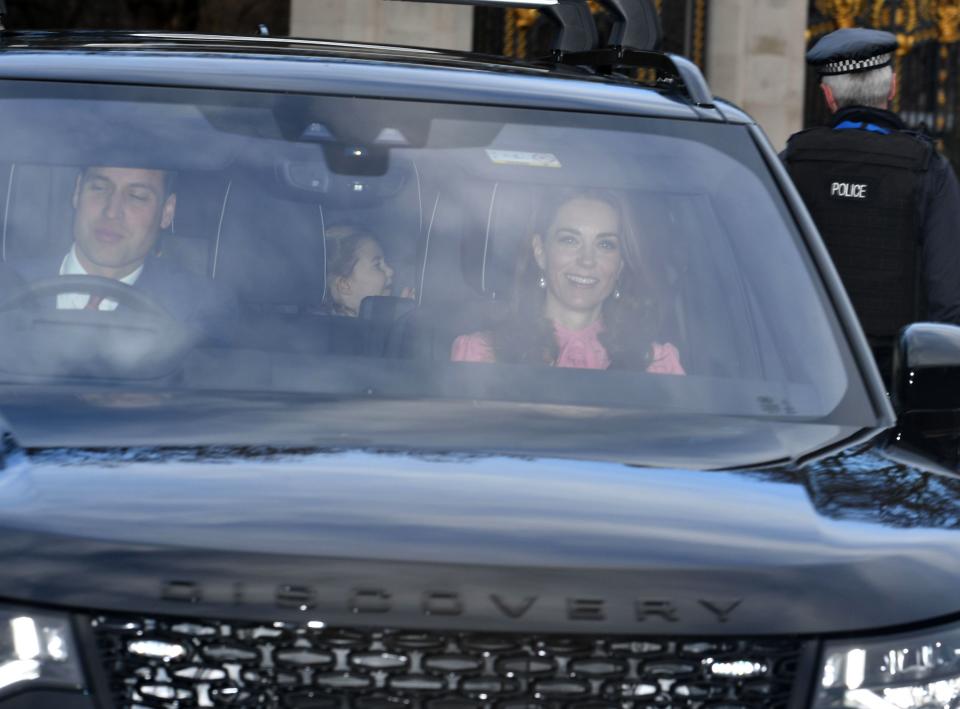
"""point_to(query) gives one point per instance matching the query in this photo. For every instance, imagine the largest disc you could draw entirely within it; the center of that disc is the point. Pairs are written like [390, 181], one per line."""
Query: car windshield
[383, 251]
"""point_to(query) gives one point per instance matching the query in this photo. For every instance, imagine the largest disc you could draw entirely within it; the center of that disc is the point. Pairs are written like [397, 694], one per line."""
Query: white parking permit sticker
[518, 157]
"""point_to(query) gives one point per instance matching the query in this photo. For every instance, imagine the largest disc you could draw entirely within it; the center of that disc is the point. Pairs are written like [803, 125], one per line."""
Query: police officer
[885, 201]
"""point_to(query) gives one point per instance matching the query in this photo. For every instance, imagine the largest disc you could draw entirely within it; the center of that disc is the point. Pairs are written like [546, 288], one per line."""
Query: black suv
[302, 446]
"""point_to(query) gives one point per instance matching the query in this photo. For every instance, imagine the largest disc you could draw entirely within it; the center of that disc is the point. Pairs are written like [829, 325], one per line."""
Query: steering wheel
[107, 288]
[139, 341]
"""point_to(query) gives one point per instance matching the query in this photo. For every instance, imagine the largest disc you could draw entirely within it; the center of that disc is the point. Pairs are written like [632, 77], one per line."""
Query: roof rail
[672, 70]
[576, 30]
[636, 24]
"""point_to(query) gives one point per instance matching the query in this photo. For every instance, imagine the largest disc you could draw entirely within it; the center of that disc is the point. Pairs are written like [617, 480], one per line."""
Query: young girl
[356, 268]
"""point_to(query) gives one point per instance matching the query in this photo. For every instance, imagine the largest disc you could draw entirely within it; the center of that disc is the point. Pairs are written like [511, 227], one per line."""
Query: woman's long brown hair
[630, 322]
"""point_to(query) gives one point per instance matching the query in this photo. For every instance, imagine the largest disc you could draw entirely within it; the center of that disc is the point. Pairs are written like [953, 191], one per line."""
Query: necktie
[94, 302]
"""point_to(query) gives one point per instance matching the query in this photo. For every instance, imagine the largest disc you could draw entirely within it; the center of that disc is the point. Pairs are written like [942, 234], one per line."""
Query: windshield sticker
[517, 157]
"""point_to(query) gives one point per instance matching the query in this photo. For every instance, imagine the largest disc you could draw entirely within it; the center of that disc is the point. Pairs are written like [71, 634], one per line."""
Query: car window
[394, 250]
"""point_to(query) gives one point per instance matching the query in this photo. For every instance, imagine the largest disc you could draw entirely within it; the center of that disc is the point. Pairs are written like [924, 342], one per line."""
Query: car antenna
[262, 29]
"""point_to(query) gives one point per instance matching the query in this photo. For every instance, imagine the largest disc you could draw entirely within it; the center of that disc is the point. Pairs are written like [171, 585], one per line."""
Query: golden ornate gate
[927, 61]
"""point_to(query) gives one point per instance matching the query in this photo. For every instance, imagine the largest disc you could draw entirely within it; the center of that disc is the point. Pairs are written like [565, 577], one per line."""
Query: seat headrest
[190, 240]
[476, 233]
[270, 249]
[497, 236]
[37, 211]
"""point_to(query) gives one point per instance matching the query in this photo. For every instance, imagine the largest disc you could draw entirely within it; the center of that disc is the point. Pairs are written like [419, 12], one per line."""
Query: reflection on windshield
[206, 240]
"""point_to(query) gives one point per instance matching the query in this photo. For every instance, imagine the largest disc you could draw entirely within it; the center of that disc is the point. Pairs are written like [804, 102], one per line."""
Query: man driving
[119, 214]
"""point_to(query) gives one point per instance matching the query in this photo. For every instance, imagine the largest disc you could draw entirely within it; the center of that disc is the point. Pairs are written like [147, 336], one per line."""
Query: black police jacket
[933, 218]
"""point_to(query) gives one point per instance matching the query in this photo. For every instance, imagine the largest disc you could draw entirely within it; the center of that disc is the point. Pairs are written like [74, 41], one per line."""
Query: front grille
[181, 664]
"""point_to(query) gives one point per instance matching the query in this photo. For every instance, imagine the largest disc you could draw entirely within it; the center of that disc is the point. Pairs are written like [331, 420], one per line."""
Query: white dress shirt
[71, 266]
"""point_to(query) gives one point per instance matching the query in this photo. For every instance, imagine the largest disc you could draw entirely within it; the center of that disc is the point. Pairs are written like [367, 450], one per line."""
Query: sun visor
[120, 133]
[352, 121]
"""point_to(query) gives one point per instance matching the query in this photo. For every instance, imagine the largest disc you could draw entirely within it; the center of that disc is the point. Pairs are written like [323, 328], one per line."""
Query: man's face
[119, 214]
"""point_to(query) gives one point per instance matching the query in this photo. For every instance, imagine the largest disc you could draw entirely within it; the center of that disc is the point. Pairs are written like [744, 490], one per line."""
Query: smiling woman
[584, 294]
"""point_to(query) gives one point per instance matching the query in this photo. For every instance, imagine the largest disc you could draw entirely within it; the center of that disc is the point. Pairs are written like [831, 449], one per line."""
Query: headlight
[896, 672]
[37, 648]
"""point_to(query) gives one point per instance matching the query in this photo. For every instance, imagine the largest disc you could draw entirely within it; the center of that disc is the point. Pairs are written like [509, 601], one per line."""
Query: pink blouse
[577, 348]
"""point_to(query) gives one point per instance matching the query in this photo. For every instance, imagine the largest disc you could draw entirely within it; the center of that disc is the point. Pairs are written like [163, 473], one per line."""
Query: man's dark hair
[169, 182]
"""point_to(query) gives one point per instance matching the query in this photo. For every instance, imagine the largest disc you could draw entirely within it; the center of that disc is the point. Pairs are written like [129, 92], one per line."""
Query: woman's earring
[542, 283]
[616, 294]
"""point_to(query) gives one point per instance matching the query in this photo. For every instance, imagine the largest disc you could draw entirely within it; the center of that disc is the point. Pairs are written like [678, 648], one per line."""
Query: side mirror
[926, 396]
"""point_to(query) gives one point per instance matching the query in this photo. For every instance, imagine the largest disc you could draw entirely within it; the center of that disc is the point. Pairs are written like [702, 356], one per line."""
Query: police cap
[852, 50]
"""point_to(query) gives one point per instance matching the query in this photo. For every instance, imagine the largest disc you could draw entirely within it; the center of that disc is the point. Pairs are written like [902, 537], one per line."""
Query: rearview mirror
[926, 396]
[926, 369]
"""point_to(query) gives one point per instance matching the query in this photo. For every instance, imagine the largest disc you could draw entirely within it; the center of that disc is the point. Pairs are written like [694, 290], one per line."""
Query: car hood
[482, 542]
[105, 417]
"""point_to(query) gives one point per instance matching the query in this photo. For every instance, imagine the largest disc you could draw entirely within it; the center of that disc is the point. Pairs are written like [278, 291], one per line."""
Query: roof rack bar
[634, 41]
[576, 29]
[636, 24]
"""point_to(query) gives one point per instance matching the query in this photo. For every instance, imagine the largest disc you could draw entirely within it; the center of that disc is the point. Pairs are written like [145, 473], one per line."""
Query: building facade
[422, 24]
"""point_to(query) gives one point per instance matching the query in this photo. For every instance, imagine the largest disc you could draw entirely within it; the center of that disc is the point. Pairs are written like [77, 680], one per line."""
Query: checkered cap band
[852, 66]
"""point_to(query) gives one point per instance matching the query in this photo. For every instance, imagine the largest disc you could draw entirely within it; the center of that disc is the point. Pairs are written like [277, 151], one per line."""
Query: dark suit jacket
[192, 300]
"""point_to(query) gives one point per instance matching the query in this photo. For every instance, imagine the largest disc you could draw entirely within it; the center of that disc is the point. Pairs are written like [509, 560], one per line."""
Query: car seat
[390, 207]
[458, 293]
[269, 254]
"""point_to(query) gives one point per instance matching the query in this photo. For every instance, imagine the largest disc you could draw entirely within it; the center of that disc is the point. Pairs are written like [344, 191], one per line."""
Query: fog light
[37, 648]
[897, 672]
